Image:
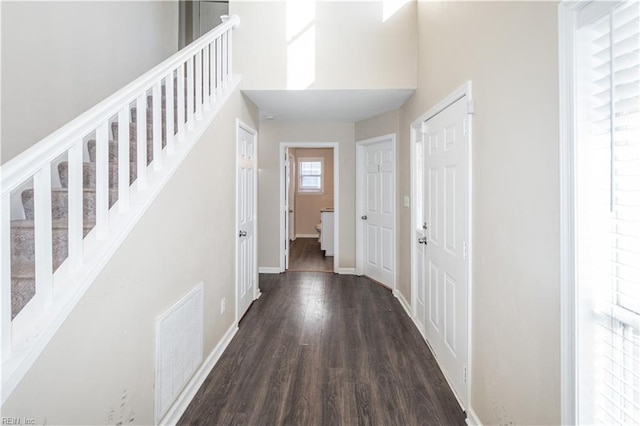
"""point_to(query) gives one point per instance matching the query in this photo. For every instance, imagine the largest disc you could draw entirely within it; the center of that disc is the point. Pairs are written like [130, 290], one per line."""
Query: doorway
[441, 232]
[197, 17]
[309, 193]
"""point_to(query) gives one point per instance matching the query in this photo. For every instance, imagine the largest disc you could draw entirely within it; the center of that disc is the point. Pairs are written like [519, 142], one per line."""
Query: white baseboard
[269, 270]
[184, 399]
[403, 302]
[307, 235]
[347, 271]
[472, 418]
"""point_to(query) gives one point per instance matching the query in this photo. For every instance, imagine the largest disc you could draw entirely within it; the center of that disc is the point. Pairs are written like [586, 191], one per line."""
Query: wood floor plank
[324, 349]
[305, 255]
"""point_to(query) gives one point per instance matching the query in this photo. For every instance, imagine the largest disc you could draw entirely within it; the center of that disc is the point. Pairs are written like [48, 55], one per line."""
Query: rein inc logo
[17, 421]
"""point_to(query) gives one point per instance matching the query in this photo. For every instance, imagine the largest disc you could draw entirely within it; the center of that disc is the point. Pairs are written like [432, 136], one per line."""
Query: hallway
[322, 349]
[306, 256]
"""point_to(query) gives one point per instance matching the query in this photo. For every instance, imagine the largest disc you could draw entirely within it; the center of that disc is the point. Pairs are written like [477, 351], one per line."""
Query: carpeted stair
[22, 231]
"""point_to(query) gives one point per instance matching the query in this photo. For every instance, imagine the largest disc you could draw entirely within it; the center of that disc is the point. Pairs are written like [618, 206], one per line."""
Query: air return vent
[178, 348]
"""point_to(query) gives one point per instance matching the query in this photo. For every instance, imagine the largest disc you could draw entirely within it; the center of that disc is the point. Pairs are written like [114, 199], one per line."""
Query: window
[310, 171]
[604, 54]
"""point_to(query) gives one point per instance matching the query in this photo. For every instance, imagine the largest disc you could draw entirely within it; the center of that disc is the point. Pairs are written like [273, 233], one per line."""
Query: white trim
[463, 91]
[269, 270]
[254, 133]
[184, 399]
[359, 270]
[307, 235]
[120, 225]
[336, 196]
[346, 271]
[405, 305]
[472, 418]
[568, 344]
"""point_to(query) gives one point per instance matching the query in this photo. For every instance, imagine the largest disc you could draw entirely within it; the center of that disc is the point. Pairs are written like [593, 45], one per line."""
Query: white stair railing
[202, 71]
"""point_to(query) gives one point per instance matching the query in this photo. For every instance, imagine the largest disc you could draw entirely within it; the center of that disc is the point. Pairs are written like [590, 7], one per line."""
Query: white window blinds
[607, 188]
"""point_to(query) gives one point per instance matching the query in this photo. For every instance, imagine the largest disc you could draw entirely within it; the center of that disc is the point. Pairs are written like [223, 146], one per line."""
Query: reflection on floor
[306, 256]
[324, 349]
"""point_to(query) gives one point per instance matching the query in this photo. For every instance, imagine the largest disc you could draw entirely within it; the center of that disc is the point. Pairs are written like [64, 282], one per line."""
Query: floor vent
[179, 338]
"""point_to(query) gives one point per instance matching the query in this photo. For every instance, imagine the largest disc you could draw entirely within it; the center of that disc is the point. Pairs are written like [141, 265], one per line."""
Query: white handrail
[26, 164]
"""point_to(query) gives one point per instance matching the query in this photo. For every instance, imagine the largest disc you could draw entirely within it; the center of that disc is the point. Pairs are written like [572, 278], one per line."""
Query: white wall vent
[179, 338]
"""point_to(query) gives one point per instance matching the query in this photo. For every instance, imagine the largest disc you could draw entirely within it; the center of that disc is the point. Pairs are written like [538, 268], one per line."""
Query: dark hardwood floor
[307, 256]
[325, 349]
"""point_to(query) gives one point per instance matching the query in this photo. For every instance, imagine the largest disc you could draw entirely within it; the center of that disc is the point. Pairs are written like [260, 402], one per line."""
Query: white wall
[509, 50]
[300, 44]
[103, 355]
[61, 58]
[272, 133]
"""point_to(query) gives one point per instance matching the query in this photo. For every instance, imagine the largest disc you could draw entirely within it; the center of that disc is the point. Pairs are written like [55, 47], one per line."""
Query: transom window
[310, 171]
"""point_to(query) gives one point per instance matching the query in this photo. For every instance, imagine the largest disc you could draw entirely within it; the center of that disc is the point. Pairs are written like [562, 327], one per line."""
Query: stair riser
[113, 151]
[133, 132]
[23, 247]
[60, 204]
[89, 174]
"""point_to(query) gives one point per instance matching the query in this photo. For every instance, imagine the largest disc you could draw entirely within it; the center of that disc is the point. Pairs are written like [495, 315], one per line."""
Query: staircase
[111, 162]
[22, 231]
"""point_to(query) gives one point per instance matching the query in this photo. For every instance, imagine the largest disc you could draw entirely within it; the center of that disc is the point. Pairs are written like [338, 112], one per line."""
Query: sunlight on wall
[301, 43]
[390, 7]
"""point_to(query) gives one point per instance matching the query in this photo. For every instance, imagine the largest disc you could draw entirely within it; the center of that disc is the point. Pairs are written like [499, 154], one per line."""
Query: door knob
[363, 217]
[242, 233]
[422, 240]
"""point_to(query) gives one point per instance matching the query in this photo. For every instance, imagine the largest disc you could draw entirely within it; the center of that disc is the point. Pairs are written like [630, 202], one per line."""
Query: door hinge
[464, 250]
[464, 374]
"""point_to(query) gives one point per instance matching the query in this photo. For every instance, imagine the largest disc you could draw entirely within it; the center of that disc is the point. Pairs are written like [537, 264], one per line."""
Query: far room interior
[310, 209]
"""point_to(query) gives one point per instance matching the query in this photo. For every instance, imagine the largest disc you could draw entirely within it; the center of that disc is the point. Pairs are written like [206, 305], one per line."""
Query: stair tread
[55, 223]
[87, 190]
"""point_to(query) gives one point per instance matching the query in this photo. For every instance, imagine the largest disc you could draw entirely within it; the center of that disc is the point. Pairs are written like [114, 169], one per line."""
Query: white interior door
[441, 240]
[246, 276]
[378, 215]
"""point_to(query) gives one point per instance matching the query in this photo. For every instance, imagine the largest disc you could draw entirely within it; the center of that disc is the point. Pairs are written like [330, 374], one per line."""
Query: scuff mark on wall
[123, 414]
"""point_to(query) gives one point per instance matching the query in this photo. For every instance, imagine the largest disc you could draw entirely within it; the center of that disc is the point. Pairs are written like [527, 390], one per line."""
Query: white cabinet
[326, 234]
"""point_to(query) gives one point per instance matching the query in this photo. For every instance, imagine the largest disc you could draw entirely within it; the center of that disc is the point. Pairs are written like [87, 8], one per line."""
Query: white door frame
[256, 287]
[459, 93]
[360, 165]
[336, 195]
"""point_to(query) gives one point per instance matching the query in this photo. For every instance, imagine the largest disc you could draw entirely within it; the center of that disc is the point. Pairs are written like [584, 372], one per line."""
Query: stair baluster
[156, 118]
[124, 150]
[43, 236]
[170, 114]
[5, 276]
[141, 132]
[75, 205]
